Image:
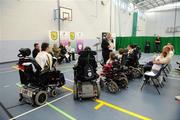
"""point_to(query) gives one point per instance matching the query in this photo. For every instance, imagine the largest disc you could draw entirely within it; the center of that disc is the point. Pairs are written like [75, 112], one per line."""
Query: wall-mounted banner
[79, 41]
[64, 37]
[72, 35]
[54, 36]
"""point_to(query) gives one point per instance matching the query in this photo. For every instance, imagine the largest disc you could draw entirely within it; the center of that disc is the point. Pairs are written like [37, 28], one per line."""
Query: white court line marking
[69, 80]
[25, 113]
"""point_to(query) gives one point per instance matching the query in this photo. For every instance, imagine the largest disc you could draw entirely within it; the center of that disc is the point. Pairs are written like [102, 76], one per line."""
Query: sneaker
[177, 98]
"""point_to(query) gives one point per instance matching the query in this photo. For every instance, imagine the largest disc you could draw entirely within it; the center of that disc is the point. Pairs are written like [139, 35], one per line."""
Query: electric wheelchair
[113, 78]
[36, 85]
[130, 62]
[85, 76]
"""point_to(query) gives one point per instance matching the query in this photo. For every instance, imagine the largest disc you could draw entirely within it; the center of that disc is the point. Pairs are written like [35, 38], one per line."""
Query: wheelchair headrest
[86, 53]
[24, 52]
[27, 61]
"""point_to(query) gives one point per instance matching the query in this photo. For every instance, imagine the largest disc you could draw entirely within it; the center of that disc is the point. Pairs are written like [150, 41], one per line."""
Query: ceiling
[149, 4]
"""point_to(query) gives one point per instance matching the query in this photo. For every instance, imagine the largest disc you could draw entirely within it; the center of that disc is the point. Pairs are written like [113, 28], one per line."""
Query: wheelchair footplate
[28, 92]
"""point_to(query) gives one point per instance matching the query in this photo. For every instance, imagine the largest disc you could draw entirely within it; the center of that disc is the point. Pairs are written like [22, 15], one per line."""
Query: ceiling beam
[146, 2]
[164, 2]
[157, 2]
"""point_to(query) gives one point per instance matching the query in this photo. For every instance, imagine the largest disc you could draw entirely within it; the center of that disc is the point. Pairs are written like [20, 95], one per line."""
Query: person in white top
[69, 50]
[44, 59]
[130, 49]
[120, 54]
[68, 47]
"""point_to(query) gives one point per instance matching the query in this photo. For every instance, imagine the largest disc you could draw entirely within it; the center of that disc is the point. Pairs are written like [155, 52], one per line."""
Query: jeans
[158, 48]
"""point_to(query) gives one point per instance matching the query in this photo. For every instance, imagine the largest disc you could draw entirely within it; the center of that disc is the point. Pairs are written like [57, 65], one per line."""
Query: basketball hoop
[66, 18]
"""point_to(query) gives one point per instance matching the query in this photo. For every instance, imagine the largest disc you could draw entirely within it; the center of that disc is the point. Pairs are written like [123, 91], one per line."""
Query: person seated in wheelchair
[85, 68]
[48, 71]
[111, 62]
[120, 54]
[43, 65]
[43, 58]
[178, 63]
[133, 55]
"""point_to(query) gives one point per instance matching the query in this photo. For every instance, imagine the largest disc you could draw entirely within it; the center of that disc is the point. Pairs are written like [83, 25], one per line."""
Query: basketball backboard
[65, 13]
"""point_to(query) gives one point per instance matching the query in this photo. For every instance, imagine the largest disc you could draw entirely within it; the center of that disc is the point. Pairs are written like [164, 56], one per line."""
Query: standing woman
[106, 47]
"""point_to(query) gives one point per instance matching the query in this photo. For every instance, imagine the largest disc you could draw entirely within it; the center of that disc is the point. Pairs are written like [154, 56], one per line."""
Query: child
[111, 59]
[120, 55]
[108, 66]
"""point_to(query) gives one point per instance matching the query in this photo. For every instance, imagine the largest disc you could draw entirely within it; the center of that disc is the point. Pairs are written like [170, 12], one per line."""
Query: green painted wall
[123, 42]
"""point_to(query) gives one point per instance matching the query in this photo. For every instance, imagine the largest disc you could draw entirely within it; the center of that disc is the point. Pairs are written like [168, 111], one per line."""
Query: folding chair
[154, 76]
[165, 67]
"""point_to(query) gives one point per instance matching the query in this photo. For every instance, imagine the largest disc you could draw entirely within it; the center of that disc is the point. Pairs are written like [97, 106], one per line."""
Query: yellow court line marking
[97, 107]
[15, 67]
[69, 89]
[115, 107]
[123, 110]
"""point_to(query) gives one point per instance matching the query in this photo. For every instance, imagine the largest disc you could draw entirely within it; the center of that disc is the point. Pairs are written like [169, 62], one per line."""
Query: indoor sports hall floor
[128, 104]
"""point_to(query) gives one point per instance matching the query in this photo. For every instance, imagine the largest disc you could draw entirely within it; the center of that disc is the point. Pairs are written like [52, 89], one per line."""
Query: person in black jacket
[106, 47]
[86, 57]
[157, 44]
[36, 50]
[63, 53]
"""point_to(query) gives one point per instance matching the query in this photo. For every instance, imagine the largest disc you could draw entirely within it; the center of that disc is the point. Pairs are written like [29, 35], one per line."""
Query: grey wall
[157, 22]
[0, 22]
[9, 48]
[23, 22]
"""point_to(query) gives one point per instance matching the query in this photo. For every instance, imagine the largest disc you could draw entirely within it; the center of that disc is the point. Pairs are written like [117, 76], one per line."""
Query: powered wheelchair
[130, 63]
[85, 76]
[36, 85]
[113, 78]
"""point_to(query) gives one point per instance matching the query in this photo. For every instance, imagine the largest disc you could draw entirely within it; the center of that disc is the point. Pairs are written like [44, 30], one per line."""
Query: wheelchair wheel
[123, 82]
[53, 93]
[75, 92]
[137, 73]
[40, 98]
[123, 75]
[112, 87]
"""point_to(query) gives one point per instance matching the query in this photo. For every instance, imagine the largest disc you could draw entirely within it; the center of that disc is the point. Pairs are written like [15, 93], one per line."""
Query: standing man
[106, 47]
[36, 50]
[157, 43]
